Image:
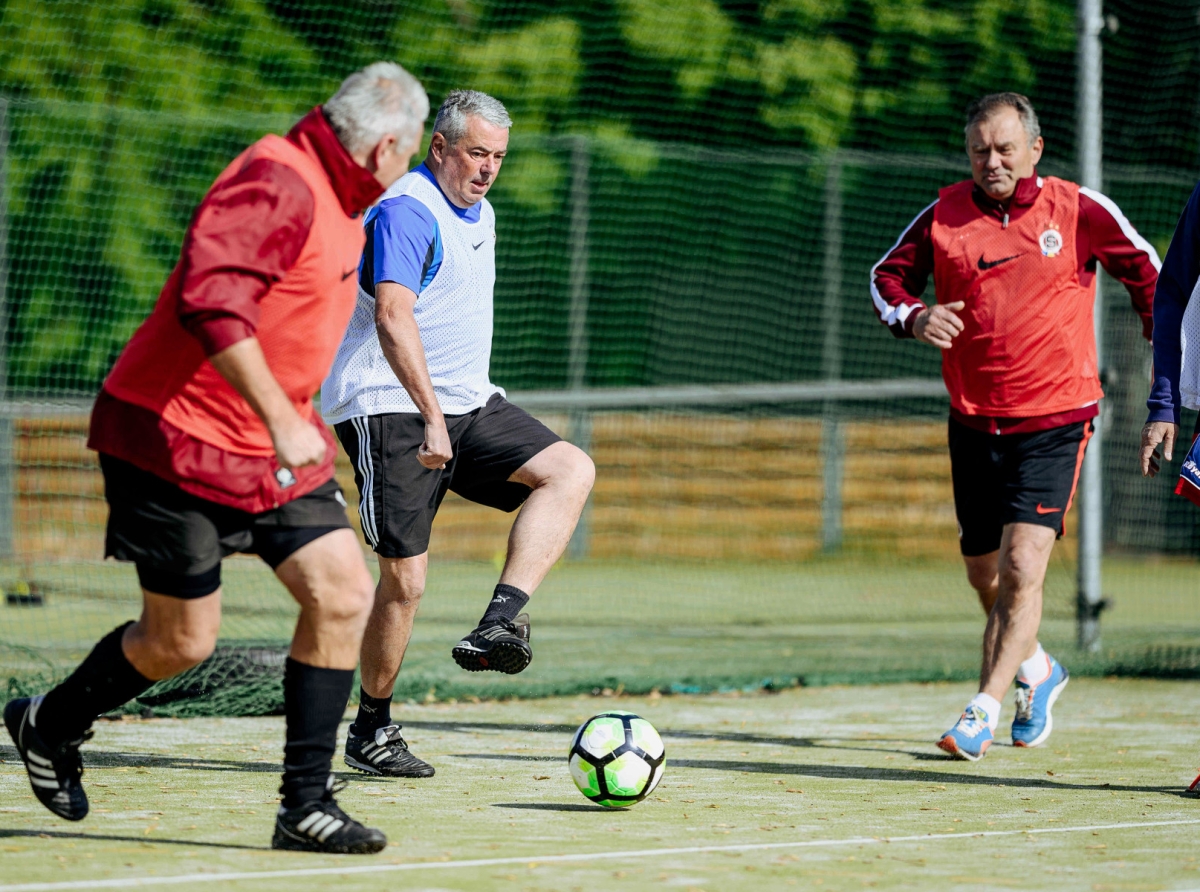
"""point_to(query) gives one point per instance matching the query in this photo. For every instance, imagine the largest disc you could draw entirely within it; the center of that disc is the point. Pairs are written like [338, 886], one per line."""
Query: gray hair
[983, 108]
[381, 99]
[451, 119]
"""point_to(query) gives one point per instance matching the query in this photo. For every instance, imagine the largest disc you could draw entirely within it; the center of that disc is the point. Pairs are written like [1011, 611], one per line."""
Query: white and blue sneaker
[970, 738]
[1033, 722]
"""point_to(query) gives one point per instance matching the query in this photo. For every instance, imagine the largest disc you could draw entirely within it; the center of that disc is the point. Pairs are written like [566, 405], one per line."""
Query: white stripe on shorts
[366, 468]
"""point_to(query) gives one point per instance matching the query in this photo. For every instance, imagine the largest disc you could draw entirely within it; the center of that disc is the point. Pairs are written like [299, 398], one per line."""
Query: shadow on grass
[726, 736]
[110, 759]
[858, 772]
[113, 837]
[556, 806]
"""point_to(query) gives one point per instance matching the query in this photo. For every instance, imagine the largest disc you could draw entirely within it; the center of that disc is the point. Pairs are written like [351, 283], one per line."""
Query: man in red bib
[210, 445]
[1013, 257]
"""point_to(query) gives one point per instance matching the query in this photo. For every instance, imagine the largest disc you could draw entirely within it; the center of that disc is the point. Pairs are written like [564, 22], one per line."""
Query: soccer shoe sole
[948, 745]
[68, 811]
[290, 842]
[427, 771]
[502, 657]
[1041, 738]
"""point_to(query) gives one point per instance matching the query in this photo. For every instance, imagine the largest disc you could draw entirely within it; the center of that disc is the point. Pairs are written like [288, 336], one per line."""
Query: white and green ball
[616, 758]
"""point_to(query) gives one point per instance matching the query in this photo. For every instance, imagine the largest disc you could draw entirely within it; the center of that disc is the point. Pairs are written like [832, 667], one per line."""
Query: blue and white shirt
[447, 256]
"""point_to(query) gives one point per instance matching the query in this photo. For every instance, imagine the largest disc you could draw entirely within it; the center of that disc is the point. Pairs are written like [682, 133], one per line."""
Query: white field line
[185, 879]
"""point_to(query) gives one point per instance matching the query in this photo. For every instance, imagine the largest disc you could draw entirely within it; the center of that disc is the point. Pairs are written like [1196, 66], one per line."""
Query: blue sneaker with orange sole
[970, 738]
[1034, 722]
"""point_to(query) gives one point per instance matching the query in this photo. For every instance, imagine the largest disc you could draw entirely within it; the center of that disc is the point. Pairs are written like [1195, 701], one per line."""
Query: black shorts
[399, 497]
[178, 540]
[1013, 478]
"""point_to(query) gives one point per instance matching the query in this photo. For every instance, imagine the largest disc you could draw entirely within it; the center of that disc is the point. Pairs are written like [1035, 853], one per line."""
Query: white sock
[990, 706]
[1036, 669]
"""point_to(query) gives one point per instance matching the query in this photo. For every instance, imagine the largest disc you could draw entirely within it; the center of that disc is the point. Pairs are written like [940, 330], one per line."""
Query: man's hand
[298, 443]
[435, 451]
[1154, 433]
[939, 324]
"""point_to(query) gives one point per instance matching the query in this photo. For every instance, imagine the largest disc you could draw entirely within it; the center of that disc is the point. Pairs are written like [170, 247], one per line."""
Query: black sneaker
[501, 645]
[322, 826]
[54, 772]
[385, 754]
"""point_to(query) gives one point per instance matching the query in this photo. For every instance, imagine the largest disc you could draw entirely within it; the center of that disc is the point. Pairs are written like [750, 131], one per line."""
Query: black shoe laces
[68, 763]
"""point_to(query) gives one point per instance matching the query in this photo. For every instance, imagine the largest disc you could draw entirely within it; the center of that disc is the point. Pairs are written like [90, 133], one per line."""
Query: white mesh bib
[454, 317]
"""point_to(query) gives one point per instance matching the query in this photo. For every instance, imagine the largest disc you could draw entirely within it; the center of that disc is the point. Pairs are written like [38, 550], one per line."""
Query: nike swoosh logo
[476, 247]
[348, 274]
[1041, 510]
[988, 264]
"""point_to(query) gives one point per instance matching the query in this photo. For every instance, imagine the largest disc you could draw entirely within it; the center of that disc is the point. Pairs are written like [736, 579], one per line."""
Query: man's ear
[437, 146]
[1038, 147]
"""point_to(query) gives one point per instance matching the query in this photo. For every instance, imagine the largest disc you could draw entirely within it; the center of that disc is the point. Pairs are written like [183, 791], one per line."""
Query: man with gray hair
[412, 402]
[209, 445]
[1013, 256]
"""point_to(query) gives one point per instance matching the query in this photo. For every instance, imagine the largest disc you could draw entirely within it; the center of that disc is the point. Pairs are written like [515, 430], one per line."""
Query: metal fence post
[579, 418]
[832, 442]
[7, 466]
[1089, 79]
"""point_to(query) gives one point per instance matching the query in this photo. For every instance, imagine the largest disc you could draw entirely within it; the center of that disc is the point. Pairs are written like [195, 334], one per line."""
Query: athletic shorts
[177, 540]
[1013, 478]
[399, 497]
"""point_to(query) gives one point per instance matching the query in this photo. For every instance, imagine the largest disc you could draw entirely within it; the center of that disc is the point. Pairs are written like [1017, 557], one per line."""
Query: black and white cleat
[385, 754]
[54, 772]
[499, 645]
[322, 826]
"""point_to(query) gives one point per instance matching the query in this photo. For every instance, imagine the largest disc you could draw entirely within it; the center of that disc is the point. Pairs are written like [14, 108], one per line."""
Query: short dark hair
[984, 107]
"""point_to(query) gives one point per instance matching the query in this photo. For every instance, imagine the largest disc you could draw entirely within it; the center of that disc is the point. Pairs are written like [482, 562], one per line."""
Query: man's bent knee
[982, 572]
[345, 603]
[165, 652]
[572, 467]
[402, 580]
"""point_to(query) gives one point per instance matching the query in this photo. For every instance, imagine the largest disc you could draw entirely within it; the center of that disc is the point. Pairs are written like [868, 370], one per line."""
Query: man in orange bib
[1013, 257]
[210, 445]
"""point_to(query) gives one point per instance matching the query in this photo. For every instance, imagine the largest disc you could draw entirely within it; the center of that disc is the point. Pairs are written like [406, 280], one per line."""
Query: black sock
[507, 601]
[373, 713]
[314, 700]
[104, 680]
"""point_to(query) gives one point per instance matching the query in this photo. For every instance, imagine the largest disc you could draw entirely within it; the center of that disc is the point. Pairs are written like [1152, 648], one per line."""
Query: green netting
[695, 194]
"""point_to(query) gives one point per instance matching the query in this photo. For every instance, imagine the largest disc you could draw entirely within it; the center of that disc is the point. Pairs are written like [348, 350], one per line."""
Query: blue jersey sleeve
[404, 245]
[1177, 279]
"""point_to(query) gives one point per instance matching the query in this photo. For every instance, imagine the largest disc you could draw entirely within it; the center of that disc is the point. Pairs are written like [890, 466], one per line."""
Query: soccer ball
[616, 758]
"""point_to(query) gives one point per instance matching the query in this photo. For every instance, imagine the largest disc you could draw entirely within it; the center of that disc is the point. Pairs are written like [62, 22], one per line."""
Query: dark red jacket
[250, 230]
[1103, 235]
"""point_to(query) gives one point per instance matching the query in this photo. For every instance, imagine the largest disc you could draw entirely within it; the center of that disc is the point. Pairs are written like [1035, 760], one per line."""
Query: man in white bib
[410, 398]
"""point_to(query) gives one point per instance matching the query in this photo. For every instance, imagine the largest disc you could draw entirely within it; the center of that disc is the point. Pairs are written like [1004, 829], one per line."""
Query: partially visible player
[1176, 380]
[209, 445]
[1013, 257]
[413, 404]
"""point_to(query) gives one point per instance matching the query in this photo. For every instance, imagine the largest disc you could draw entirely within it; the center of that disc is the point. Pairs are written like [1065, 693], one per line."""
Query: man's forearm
[400, 340]
[245, 367]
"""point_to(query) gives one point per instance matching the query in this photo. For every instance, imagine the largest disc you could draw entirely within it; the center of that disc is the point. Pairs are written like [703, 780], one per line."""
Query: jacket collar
[1027, 191]
[355, 186]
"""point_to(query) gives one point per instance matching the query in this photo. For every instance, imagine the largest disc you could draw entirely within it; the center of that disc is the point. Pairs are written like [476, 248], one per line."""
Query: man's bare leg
[1009, 584]
[1012, 628]
[983, 573]
[329, 579]
[397, 597]
[561, 477]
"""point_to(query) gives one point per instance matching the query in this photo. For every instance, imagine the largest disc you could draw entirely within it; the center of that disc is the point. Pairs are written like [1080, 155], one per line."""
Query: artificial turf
[824, 776]
[638, 626]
